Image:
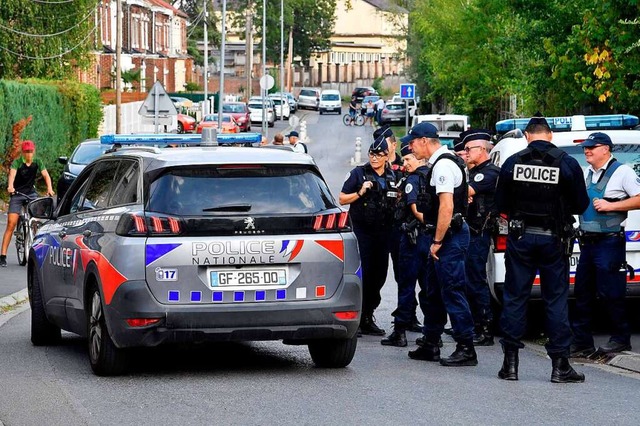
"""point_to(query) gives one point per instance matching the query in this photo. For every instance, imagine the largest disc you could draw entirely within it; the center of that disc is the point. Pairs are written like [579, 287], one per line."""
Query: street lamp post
[222, 54]
[282, 60]
[263, 91]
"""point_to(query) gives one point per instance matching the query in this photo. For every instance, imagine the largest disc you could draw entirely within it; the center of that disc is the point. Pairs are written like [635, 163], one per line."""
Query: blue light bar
[186, 139]
[560, 124]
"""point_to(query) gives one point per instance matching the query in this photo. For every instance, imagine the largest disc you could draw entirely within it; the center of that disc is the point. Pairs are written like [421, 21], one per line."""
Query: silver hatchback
[193, 244]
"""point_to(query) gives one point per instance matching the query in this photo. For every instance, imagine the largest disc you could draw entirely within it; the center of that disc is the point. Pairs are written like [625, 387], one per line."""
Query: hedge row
[63, 114]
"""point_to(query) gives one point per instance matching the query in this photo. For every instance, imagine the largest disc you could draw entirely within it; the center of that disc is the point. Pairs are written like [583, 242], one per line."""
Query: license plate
[249, 277]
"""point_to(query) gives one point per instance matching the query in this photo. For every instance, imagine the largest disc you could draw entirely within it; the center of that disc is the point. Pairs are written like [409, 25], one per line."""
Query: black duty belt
[598, 236]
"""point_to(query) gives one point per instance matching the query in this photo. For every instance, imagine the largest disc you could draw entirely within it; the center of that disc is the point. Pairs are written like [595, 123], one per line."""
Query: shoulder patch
[408, 188]
[442, 179]
[478, 178]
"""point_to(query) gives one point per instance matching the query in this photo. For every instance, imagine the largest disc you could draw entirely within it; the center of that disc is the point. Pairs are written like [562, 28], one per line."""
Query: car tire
[180, 128]
[43, 331]
[271, 124]
[321, 112]
[333, 353]
[105, 358]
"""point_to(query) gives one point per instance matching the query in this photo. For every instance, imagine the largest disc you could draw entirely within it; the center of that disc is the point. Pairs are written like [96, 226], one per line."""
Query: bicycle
[358, 119]
[24, 231]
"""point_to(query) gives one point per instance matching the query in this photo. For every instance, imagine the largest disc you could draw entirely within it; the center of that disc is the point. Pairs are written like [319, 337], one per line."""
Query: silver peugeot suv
[190, 244]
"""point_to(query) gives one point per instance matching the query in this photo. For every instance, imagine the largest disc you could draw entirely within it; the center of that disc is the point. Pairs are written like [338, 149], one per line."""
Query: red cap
[28, 146]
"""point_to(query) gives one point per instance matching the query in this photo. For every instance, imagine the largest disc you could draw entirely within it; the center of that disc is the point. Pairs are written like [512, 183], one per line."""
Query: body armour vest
[483, 204]
[376, 206]
[535, 190]
[594, 221]
[428, 201]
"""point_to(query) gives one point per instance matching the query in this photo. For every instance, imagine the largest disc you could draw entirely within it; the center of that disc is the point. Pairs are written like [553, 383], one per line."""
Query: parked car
[413, 105]
[309, 98]
[229, 124]
[255, 111]
[365, 100]
[186, 123]
[361, 92]
[293, 104]
[85, 153]
[240, 112]
[393, 112]
[154, 246]
[281, 107]
[330, 101]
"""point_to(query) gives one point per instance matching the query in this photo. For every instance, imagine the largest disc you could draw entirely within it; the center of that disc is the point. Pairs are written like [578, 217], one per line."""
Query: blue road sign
[407, 91]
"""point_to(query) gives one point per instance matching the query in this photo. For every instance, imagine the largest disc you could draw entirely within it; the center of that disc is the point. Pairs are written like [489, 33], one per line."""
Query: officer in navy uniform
[614, 189]
[409, 262]
[443, 242]
[396, 164]
[539, 189]
[370, 191]
[483, 177]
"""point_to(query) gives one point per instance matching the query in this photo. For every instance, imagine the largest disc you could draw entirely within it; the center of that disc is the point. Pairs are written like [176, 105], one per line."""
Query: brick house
[154, 41]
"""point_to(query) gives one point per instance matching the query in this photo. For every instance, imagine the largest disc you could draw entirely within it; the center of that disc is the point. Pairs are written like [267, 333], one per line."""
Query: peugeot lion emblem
[250, 223]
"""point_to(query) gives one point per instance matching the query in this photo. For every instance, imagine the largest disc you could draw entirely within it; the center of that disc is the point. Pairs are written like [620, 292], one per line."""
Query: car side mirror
[42, 208]
[63, 160]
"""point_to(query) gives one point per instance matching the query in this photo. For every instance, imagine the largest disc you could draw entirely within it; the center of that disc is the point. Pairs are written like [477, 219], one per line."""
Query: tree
[195, 10]
[46, 39]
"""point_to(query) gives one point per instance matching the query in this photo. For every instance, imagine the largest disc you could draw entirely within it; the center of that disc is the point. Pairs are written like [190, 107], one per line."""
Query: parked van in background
[330, 101]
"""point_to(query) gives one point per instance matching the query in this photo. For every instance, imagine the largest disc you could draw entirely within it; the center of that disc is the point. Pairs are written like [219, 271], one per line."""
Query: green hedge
[64, 113]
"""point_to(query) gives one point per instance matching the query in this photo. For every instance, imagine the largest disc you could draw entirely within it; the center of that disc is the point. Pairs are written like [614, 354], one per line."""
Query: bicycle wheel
[359, 120]
[21, 236]
[346, 119]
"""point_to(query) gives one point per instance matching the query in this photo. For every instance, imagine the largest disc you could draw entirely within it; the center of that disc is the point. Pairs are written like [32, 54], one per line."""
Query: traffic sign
[267, 82]
[158, 103]
[407, 91]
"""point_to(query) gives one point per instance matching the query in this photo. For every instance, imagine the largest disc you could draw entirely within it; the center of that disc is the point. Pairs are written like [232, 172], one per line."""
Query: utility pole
[118, 70]
[222, 48]
[205, 108]
[249, 51]
[290, 63]
[282, 60]
[263, 91]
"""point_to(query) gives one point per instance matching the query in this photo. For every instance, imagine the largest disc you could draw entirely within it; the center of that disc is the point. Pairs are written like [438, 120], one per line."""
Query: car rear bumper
[296, 322]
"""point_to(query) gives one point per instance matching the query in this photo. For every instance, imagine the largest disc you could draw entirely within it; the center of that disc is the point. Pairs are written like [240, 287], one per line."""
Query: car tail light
[385, 111]
[148, 225]
[142, 322]
[500, 242]
[331, 222]
[346, 315]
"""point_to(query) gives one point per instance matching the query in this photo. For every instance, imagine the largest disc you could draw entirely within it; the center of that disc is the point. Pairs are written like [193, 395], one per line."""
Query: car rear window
[330, 97]
[307, 93]
[233, 108]
[238, 190]
[394, 107]
[255, 105]
[87, 152]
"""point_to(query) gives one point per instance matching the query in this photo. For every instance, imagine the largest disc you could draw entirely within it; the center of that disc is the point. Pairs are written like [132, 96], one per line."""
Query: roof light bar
[560, 124]
[185, 139]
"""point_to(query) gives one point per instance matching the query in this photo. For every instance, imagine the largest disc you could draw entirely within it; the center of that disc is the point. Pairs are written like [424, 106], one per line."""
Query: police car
[193, 244]
[568, 134]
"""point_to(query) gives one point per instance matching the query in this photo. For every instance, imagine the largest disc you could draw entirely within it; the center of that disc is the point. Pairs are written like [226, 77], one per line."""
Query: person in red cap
[21, 187]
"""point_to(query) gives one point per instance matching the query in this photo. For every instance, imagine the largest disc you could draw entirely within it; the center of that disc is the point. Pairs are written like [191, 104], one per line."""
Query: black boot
[562, 372]
[509, 370]
[464, 355]
[427, 352]
[369, 326]
[483, 337]
[397, 338]
[420, 341]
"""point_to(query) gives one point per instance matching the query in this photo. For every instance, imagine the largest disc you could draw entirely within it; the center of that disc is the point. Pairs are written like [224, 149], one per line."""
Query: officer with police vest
[370, 192]
[443, 244]
[614, 189]
[539, 189]
[483, 177]
[410, 264]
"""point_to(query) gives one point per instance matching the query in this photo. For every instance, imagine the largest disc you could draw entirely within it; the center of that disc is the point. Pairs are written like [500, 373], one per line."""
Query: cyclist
[22, 178]
[353, 106]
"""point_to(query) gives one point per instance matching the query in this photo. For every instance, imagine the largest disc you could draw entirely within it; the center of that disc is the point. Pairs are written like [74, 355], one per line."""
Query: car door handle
[87, 233]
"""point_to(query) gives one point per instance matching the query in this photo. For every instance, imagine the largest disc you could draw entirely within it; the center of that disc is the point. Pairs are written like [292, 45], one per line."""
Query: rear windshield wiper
[229, 208]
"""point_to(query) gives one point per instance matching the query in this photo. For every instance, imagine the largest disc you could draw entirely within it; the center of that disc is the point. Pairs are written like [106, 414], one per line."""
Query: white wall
[131, 121]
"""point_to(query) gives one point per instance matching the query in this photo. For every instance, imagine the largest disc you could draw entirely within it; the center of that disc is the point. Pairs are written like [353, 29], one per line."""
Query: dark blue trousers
[374, 255]
[523, 258]
[410, 270]
[478, 293]
[445, 287]
[601, 272]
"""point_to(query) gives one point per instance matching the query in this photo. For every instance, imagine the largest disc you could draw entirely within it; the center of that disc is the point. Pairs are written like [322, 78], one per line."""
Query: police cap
[458, 145]
[473, 135]
[421, 130]
[405, 149]
[379, 145]
[597, 138]
[383, 131]
[537, 124]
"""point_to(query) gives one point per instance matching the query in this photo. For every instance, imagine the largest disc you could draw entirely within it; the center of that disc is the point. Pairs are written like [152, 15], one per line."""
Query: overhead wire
[50, 34]
[52, 2]
[21, 55]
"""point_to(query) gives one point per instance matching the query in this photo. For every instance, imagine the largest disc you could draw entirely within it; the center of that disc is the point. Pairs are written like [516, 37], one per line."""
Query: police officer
[370, 191]
[483, 177]
[613, 189]
[539, 189]
[442, 205]
[409, 262]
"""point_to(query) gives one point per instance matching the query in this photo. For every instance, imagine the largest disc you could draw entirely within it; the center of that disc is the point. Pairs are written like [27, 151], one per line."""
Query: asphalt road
[269, 383]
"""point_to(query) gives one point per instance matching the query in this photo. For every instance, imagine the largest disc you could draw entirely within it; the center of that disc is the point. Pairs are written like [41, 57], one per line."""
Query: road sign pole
[406, 116]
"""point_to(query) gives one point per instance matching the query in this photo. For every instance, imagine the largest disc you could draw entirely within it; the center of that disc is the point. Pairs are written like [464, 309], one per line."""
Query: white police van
[568, 134]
